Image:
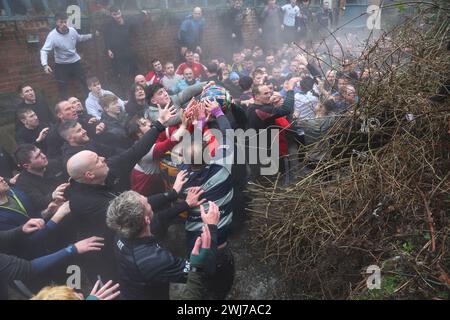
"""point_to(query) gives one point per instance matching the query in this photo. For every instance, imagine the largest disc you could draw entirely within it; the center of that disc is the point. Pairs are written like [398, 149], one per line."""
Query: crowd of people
[91, 184]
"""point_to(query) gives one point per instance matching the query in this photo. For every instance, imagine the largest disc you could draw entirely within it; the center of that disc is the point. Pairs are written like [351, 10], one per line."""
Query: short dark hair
[152, 89]
[248, 58]
[91, 80]
[212, 68]
[61, 15]
[21, 86]
[330, 106]
[64, 127]
[155, 60]
[255, 89]
[188, 51]
[113, 9]
[307, 84]
[245, 82]
[22, 111]
[106, 100]
[23, 153]
[133, 128]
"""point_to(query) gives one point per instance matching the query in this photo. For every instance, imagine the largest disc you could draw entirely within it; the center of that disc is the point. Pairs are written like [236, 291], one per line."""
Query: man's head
[188, 74]
[61, 22]
[30, 158]
[116, 14]
[169, 69]
[65, 111]
[4, 187]
[276, 73]
[307, 84]
[259, 77]
[212, 69]
[157, 94]
[195, 154]
[87, 167]
[110, 104]
[342, 81]
[137, 127]
[139, 92]
[249, 64]
[140, 79]
[196, 58]
[293, 67]
[197, 13]
[129, 215]
[348, 93]
[27, 93]
[326, 5]
[237, 4]
[28, 118]
[271, 3]
[270, 61]
[189, 56]
[325, 108]
[72, 132]
[262, 94]
[330, 76]
[76, 103]
[157, 66]
[245, 83]
[94, 86]
[293, 2]
[237, 57]
[258, 52]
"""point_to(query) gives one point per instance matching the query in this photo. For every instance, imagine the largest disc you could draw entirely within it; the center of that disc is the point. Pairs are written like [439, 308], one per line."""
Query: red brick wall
[19, 61]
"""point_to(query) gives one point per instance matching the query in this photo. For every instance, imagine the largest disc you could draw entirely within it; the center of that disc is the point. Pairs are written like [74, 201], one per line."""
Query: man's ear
[153, 101]
[89, 175]
[26, 166]
[23, 121]
[147, 220]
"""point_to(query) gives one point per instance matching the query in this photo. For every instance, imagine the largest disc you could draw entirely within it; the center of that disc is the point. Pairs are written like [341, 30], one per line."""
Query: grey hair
[126, 214]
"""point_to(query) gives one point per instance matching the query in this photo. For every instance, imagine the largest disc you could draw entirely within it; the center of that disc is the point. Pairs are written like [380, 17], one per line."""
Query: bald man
[140, 80]
[95, 182]
[190, 34]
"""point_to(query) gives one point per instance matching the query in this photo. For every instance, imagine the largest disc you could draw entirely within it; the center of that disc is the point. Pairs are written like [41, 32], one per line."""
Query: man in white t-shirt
[291, 11]
[63, 40]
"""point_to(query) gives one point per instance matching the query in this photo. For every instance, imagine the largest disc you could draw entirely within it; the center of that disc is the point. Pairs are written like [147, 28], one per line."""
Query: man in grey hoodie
[63, 40]
[157, 95]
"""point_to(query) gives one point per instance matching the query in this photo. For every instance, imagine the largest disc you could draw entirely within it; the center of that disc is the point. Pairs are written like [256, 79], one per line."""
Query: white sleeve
[92, 109]
[82, 37]
[48, 46]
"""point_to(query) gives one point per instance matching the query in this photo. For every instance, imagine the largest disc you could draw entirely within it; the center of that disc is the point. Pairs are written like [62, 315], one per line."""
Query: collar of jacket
[150, 240]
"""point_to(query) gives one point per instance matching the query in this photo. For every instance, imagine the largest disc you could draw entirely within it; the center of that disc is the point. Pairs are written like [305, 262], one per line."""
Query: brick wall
[20, 62]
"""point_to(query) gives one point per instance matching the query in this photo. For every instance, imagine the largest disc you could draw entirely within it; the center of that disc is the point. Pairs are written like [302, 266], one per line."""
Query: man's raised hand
[166, 113]
[213, 214]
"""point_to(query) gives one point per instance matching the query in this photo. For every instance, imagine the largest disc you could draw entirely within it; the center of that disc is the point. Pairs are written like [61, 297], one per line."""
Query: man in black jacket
[117, 33]
[65, 111]
[32, 131]
[146, 270]
[262, 115]
[234, 20]
[31, 101]
[41, 182]
[95, 182]
[77, 140]
[14, 268]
